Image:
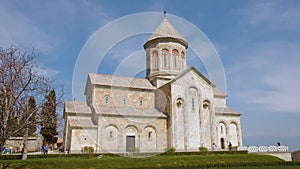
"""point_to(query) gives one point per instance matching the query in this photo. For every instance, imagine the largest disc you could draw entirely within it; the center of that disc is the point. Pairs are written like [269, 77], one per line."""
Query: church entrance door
[130, 143]
[222, 143]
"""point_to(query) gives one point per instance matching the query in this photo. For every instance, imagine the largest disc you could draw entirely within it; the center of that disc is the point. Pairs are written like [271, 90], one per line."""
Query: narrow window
[165, 60]
[182, 60]
[149, 134]
[175, 54]
[110, 134]
[222, 130]
[155, 62]
[124, 101]
[165, 54]
[193, 104]
[155, 59]
[182, 54]
[106, 99]
[175, 62]
[141, 101]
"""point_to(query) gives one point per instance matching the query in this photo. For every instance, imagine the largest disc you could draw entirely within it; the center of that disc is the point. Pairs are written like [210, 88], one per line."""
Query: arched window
[206, 104]
[182, 54]
[155, 59]
[182, 60]
[175, 54]
[233, 134]
[179, 102]
[222, 128]
[111, 132]
[150, 133]
[165, 55]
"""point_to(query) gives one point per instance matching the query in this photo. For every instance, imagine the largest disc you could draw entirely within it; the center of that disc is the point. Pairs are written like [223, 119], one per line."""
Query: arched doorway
[130, 138]
[222, 143]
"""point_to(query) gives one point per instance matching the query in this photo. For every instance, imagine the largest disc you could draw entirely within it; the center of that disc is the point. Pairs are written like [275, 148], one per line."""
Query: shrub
[234, 148]
[203, 149]
[87, 149]
[170, 150]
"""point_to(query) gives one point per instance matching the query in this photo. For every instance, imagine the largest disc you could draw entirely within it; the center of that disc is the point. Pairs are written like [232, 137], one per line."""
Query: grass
[230, 161]
[264, 167]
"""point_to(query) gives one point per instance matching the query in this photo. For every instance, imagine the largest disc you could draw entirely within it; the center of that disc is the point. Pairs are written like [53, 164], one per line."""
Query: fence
[263, 149]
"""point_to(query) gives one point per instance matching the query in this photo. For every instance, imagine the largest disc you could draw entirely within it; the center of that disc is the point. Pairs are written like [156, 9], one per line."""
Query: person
[10, 149]
[46, 149]
[230, 145]
[214, 146]
[43, 149]
[5, 150]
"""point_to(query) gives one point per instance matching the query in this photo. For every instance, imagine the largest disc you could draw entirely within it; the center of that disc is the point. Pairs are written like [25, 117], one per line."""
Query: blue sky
[258, 43]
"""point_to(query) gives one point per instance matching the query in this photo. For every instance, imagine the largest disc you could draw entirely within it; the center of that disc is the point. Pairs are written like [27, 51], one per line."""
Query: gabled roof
[219, 93]
[216, 91]
[120, 81]
[166, 30]
[226, 111]
[82, 122]
[77, 107]
[128, 111]
[192, 68]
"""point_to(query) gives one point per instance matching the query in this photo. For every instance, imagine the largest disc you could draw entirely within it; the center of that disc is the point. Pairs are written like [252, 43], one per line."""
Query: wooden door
[130, 143]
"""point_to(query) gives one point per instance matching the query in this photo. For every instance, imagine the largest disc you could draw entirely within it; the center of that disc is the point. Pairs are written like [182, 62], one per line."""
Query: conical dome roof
[166, 31]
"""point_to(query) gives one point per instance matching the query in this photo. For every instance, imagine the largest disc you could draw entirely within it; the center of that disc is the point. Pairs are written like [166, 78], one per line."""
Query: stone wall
[123, 97]
[83, 137]
[34, 143]
[149, 133]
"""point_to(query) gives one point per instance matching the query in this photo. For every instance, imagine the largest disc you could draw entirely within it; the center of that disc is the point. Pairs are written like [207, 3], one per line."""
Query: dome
[166, 31]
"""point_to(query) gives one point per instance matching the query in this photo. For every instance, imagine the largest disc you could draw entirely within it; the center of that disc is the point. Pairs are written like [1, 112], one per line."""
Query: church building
[174, 106]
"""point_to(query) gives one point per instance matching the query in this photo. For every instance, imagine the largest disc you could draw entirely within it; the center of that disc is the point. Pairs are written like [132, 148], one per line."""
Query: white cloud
[268, 75]
[132, 64]
[275, 14]
[17, 29]
[49, 72]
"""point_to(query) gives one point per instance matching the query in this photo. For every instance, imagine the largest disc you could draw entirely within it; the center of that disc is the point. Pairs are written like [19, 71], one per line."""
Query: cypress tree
[49, 118]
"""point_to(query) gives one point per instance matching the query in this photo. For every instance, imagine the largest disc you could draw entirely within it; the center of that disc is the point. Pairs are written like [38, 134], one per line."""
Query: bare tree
[20, 80]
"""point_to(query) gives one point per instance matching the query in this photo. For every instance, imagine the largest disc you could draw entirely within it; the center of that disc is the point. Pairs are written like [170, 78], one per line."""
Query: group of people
[6, 150]
[214, 146]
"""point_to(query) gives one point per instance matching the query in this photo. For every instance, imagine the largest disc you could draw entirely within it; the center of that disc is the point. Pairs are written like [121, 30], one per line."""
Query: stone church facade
[174, 106]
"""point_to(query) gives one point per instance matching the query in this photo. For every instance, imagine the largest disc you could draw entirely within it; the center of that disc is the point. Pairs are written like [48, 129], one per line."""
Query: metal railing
[263, 149]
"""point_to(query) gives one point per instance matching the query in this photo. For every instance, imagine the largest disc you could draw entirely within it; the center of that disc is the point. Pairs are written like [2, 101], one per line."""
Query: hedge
[90, 155]
[204, 152]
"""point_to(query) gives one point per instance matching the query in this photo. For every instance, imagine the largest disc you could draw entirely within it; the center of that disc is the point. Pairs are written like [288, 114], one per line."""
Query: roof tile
[120, 81]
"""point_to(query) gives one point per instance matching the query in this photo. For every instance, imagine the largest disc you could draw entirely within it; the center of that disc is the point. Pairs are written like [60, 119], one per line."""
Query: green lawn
[235, 161]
